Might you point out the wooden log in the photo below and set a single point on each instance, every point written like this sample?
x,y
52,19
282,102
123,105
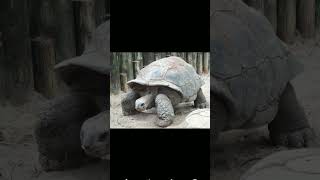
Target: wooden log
x,y
139,56
136,65
317,14
157,55
306,18
270,11
2,74
123,82
123,62
194,60
163,55
174,54
287,20
64,30
47,19
87,20
183,55
100,11
54,19
199,63
206,62
130,66
188,57
256,4
115,74
85,23
148,57
43,66
16,72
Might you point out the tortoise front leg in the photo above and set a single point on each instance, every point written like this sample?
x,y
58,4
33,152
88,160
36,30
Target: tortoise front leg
x,y
128,103
200,102
165,110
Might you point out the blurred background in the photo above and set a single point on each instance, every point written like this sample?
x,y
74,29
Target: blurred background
x,y
37,34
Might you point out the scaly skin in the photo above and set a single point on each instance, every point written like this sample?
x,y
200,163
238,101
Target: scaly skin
x,y
290,127
94,135
165,110
144,102
200,102
128,103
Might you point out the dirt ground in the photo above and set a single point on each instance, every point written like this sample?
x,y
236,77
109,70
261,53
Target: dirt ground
x,y
238,150
146,120
18,151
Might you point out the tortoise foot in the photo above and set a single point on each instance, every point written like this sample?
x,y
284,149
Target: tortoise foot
x,y
300,138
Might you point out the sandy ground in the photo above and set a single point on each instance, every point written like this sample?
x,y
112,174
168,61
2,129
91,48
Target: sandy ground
x,y
239,150
146,120
18,151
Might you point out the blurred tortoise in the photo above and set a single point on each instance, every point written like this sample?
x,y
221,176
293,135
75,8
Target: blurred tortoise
x,y
250,81
163,84
83,109
288,164
199,118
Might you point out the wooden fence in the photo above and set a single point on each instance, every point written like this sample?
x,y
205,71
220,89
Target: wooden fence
x,y
290,16
35,35
126,65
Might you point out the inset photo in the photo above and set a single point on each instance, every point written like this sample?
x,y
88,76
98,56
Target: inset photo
x,y
160,90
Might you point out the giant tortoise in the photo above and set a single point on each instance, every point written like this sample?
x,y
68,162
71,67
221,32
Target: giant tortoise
x,y
75,125
164,84
250,77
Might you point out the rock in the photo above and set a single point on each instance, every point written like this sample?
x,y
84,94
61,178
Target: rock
x,y
199,118
288,164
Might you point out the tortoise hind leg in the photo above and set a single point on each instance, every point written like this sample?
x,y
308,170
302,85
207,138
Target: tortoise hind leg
x,y
165,110
128,103
200,102
290,126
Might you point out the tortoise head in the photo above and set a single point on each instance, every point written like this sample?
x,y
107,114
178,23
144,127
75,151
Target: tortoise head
x,y
146,101
94,135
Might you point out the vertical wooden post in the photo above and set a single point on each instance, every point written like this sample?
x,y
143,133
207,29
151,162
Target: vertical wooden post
x,y
194,60
115,74
270,11
306,18
16,72
123,82
287,20
183,55
44,61
2,73
157,55
130,66
317,14
85,22
199,63
64,30
148,57
206,62
139,58
174,54
136,65
256,4
188,57
100,11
